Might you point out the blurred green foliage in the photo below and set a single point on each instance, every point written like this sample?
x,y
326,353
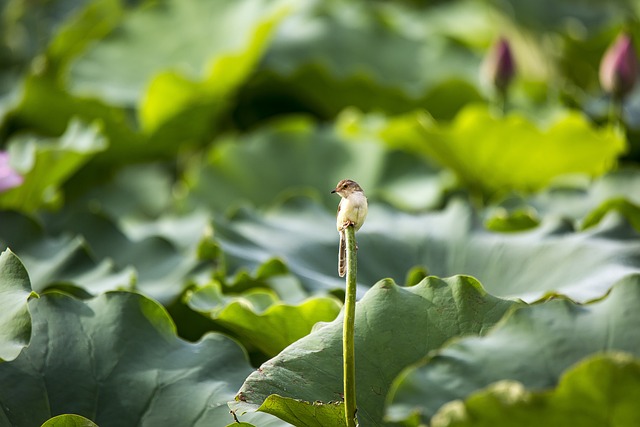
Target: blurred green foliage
x,y
175,218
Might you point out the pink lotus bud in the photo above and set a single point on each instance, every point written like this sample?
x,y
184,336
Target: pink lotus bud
x,y
619,67
500,66
8,177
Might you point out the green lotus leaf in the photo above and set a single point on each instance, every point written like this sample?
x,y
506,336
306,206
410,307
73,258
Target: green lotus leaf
x,y
119,67
299,413
550,15
534,346
47,106
395,327
162,263
59,260
496,154
629,210
141,63
15,319
87,22
45,163
274,275
516,220
296,155
116,360
587,203
211,300
595,392
69,420
259,320
26,33
134,194
322,60
581,265
92,252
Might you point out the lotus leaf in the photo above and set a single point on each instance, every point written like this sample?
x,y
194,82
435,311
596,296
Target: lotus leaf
x,y
46,163
117,361
581,265
534,346
594,392
395,327
493,154
15,319
262,322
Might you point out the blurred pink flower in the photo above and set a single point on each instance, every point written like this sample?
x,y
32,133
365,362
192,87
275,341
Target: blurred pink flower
x,y
500,66
9,178
619,67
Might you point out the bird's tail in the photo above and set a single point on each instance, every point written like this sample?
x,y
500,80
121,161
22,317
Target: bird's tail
x,y
342,255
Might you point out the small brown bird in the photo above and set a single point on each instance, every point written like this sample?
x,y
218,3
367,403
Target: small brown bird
x,y
352,210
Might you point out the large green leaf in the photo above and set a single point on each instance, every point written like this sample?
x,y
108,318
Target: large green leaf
x,y
69,420
296,155
90,21
534,346
116,360
496,154
548,15
259,320
629,210
26,32
15,319
91,251
144,64
597,392
139,66
59,260
300,413
395,327
136,193
581,265
322,60
586,203
162,263
47,163
119,68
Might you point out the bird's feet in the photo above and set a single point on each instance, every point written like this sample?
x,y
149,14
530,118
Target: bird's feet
x,y
348,224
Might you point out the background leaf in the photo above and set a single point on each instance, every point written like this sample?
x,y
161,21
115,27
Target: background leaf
x,y
69,420
595,392
270,329
62,260
46,164
298,155
510,153
15,291
534,346
443,242
321,61
107,69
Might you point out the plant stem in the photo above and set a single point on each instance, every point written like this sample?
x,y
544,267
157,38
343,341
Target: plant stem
x,y
348,330
616,111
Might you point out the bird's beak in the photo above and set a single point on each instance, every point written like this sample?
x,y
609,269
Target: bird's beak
x,y
333,191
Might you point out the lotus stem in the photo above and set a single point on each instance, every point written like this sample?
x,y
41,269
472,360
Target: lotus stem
x,y
348,331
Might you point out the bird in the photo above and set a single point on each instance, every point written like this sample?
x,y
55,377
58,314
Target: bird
x,y
352,211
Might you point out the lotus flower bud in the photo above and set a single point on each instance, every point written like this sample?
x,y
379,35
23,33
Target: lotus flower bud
x,y
499,66
619,67
9,178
